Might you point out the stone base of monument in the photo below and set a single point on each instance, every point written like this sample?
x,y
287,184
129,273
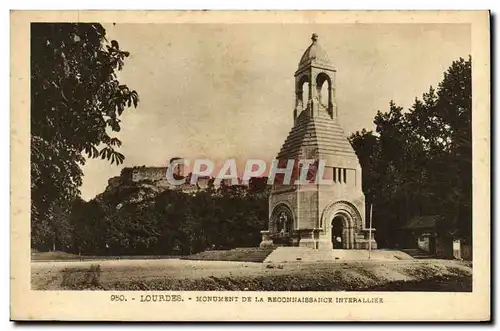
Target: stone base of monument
x,y
307,243
364,244
324,244
308,239
304,254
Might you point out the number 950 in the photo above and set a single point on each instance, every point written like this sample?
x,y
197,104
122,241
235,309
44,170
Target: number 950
x,y
117,297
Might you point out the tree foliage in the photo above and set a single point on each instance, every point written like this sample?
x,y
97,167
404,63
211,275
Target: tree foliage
x,y
76,102
168,222
419,162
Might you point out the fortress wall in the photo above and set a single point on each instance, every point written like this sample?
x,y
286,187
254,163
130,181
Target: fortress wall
x,y
149,173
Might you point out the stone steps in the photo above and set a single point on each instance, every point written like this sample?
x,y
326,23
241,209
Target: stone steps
x,y
418,253
303,254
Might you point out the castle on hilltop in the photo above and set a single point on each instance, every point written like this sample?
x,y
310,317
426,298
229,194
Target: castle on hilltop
x,y
158,177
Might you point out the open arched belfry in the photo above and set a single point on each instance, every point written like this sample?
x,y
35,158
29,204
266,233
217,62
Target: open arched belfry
x,y
315,215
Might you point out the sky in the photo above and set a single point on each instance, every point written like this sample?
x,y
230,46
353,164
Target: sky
x,y
224,91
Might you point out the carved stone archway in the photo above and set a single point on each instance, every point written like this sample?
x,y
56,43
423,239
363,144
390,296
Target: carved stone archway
x,y
282,219
351,221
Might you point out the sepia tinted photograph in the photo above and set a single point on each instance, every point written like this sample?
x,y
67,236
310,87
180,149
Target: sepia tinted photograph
x,y
279,158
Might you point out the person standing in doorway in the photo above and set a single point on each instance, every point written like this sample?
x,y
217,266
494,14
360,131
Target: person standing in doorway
x,y
338,243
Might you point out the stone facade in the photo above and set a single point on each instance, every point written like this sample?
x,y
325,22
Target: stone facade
x,y
319,216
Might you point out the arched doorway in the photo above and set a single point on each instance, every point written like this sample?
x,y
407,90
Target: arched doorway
x,y
349,219
338,238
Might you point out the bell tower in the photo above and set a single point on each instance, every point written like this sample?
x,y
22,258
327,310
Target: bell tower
x,y
318,216
314,71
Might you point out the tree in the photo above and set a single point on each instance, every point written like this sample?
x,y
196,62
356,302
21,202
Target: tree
x,y
420,161
367,148
76,102
453,112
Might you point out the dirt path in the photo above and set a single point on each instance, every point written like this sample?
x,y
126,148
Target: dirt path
x,y
178,273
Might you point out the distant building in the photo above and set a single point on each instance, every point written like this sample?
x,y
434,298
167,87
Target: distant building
x,y
421,232
158,177
180,170
148,173
204,182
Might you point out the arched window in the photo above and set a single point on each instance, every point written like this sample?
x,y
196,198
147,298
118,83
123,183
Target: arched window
x,y
302,93
305,94
323,95
324,87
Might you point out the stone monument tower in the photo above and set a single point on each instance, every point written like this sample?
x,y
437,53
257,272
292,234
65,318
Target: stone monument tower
x,y
315,215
